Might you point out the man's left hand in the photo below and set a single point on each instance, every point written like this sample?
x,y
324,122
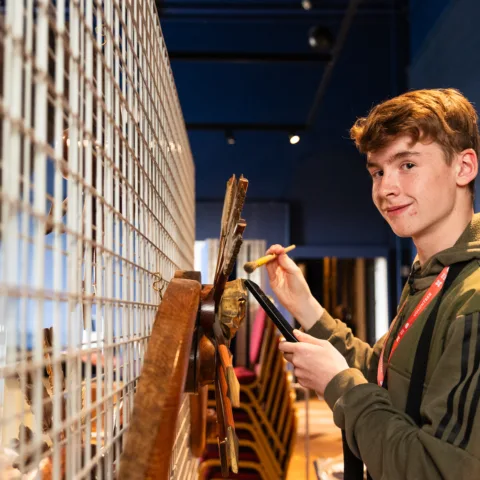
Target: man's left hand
x,y
316,361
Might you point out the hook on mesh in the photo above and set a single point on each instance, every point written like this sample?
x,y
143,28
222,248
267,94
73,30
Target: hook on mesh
x,y
100,29
159,284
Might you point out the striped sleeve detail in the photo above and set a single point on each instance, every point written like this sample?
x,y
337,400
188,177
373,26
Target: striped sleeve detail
x,y
456,424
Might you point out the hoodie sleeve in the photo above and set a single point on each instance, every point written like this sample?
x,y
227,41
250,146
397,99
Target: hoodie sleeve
x,y
391,445
358,354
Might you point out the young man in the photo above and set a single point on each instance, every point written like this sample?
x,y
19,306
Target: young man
x,y
421,150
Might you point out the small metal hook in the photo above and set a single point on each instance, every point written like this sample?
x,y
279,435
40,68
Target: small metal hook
x,y
102,33
162,281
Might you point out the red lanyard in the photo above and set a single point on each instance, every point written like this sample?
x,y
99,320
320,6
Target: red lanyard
x,y
431,293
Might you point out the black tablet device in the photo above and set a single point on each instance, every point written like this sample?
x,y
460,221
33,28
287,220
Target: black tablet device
x,y
278,319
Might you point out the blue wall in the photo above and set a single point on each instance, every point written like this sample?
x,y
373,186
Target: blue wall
x,y
267,221
423,17
448,57
323,178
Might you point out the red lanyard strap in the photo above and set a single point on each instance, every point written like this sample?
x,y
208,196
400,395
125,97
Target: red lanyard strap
x,y
419,370
430,294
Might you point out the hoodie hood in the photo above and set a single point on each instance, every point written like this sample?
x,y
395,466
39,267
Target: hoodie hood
x,y
467,247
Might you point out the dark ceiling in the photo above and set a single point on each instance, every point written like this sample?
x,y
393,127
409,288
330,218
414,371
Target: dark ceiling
x,y
247,67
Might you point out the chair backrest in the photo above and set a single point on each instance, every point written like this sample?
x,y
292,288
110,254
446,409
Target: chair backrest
x,y
257,335
267,356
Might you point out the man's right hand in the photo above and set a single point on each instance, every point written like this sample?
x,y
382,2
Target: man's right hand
x,y
291,288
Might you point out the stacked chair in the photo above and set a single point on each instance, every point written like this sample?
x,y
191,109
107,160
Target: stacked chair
x,y
266,421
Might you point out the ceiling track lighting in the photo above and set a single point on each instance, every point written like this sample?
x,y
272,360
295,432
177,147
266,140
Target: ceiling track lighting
x,y
230,137
306,5
320,39
294,138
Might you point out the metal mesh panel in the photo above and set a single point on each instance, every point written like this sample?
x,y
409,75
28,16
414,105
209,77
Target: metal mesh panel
x,y
183,465
97,207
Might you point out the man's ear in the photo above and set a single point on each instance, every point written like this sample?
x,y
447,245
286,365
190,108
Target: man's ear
x,y
467,167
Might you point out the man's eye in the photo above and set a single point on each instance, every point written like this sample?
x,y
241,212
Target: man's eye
x,y
408,166
377,174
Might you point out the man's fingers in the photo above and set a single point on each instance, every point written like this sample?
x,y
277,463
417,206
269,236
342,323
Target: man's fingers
x,y
287,347
306,338
283,261
288,357
287,263
272,271
300,374
276,249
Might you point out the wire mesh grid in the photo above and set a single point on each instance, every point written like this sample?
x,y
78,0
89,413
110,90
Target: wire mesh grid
x,y
96,207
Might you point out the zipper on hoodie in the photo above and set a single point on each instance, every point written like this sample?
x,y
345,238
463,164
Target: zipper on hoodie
x,y
410,280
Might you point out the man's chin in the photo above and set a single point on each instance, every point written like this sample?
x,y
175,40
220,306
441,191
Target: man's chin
x,y
404,235
403,232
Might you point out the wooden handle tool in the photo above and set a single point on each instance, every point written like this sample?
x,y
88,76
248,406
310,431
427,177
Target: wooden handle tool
x,y
250,267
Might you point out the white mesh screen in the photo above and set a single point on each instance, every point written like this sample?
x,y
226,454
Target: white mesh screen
x,y
97,202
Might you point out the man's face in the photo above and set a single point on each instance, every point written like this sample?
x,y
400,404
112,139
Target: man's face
x,y
413,187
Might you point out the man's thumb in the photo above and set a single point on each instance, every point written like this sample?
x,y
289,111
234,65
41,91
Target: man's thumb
x,y
306,338
287,263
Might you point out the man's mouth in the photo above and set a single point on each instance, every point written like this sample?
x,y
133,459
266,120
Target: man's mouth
x,y
397,209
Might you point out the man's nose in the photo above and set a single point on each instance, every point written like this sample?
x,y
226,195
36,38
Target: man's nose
x,y
389,185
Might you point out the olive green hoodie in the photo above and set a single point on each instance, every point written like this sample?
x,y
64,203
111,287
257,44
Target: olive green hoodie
x,y
447,445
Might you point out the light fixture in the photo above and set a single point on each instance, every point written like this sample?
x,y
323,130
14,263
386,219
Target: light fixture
x,y
306,4
320,38
230,138
294,138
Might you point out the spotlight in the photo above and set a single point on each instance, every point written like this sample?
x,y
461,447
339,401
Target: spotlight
x,y
294,138
230,138
320,38
306,4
